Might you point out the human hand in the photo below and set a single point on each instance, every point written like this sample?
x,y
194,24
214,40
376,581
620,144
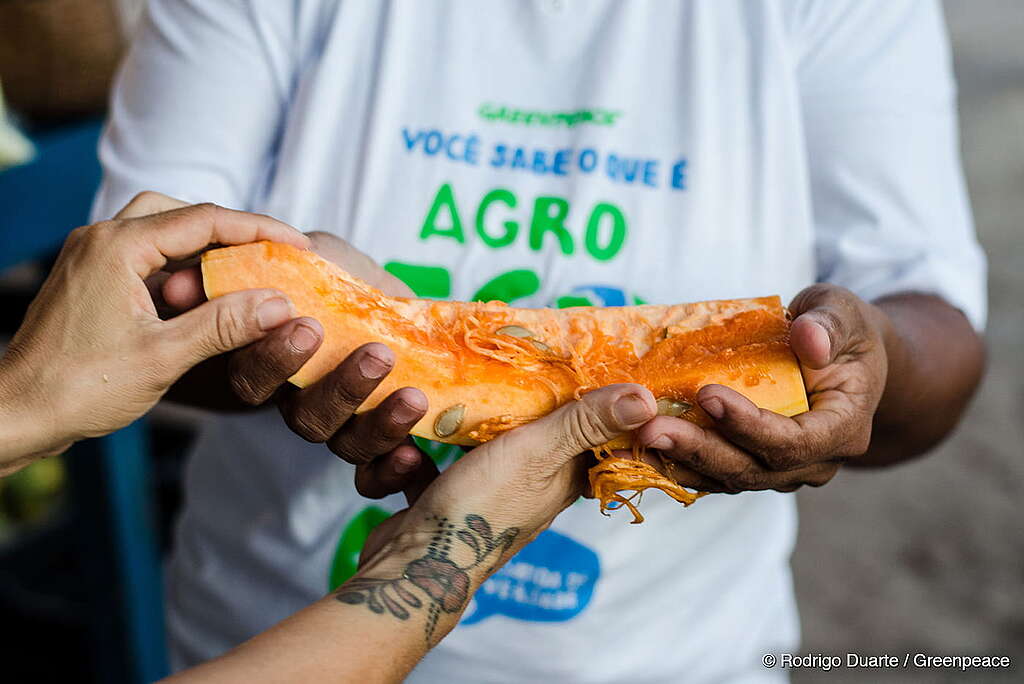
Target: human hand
x,y
325,411
839,340
471,519
92,354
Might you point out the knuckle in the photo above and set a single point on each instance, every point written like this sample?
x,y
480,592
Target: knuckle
x,y
348,448
250,375
585,428
206,208
809,295
831,320
100,234
743,480
79,235
205,212
810,448
246,389
780,460
228,325
347,397
695,458
311,426
145,199
389,432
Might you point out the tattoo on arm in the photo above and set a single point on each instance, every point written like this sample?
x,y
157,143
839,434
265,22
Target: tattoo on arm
x,y
443,583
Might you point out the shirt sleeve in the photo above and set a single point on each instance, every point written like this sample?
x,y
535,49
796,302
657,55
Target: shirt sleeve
x,y
197,103
889,201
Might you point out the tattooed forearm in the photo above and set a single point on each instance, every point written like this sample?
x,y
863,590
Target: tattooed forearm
x,y
440,576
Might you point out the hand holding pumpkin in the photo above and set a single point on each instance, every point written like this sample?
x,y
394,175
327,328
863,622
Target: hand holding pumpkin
x,y
520,480
376,442
92,355
840,342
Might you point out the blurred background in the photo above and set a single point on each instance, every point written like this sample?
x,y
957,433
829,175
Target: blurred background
x,y
928,557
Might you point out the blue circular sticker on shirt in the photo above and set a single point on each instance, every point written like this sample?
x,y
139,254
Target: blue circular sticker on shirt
x,y
550,580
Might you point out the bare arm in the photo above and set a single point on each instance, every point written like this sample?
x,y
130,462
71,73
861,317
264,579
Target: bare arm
x,y
338,639
464,526
935,360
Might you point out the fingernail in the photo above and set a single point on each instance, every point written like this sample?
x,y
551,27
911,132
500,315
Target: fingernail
x,y
273,313
403,466
631,409
660,442
373,367
303,338
405,412
713,407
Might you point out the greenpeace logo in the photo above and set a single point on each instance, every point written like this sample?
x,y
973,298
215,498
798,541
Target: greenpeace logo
x,y
526,117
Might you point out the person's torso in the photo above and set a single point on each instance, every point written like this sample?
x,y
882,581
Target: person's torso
x,y
548,153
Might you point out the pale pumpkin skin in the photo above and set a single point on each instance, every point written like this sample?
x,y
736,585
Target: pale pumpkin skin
x,y
486,367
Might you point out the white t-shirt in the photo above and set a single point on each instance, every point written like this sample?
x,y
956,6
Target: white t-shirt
x,y
551,152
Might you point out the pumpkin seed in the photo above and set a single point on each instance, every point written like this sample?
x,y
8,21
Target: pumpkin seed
x,y
541,346
668,406
524,333
515,331
450,420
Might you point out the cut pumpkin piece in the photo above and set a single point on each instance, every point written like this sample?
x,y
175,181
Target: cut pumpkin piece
x,y
486,367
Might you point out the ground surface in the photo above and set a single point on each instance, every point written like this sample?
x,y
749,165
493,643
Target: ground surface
x,y
930,557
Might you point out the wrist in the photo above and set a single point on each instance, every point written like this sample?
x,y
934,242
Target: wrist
x,y
895,349
411,552
28,429
432,566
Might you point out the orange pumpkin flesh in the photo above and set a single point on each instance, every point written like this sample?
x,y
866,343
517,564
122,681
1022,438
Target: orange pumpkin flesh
x,y
506,366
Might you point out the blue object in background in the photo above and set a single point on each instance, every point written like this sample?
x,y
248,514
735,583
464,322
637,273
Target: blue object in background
x,y
551,579
40,202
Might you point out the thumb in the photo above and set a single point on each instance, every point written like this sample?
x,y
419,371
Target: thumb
x,y
226,323
819,334
596,419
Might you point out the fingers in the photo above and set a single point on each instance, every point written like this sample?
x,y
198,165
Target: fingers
x,y
183,290
378,443
832,429
317,412
185,231
591,422
826,318
149,202
380,430
777,440
257,371
695,447
727,467
421,478
406,469
225,324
